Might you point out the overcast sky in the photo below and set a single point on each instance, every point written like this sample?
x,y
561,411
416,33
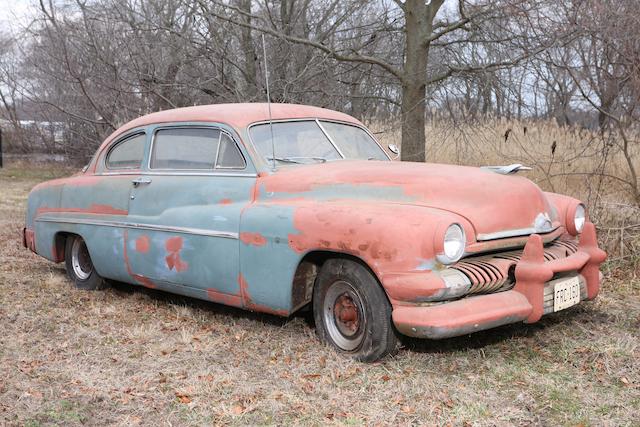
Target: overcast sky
x,y
12,11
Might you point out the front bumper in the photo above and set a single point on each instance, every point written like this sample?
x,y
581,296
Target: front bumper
x,y
526,301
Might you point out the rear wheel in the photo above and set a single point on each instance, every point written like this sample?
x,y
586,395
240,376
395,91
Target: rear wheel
x,y
352,312
79,266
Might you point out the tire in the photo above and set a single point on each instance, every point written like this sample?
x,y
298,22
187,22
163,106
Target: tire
x,y
352,312
79,266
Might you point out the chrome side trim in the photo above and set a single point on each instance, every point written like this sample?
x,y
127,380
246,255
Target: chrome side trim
x,y
513,233
138,226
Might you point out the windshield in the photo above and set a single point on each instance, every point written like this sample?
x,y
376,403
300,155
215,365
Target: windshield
x,y
312,141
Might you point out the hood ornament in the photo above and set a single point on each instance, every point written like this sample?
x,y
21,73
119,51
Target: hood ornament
x,y
543,223
507,170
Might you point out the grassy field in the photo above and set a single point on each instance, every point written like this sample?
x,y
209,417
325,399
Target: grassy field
x,y
132,356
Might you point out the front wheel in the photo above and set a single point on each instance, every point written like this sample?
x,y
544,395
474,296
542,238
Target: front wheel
x,y
80,268
352,312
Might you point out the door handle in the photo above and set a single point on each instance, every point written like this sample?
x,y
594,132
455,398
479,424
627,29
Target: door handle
x,y
141,181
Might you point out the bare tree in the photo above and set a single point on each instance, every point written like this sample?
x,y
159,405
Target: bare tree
x,y
421,27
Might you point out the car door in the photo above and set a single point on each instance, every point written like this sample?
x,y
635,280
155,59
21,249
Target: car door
x,y
187,206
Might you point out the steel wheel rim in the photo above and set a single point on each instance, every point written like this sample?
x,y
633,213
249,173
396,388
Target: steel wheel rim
x,y
344,315
80,259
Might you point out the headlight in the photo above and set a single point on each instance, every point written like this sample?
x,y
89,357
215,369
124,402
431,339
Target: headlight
x,y
576,217
453,245
579,218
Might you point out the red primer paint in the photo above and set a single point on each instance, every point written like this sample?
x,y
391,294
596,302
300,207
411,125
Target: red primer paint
x,y
437,186
389,238
144,281
222,298
463,316
173,247
255,239
142,244
94,209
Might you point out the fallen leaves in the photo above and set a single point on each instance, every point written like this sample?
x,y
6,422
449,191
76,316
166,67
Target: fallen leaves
x,y
183,398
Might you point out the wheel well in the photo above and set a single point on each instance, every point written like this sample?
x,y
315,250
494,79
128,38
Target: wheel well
x,y
307,271
59,242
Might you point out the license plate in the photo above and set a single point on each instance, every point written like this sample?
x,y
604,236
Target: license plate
x,y
566,294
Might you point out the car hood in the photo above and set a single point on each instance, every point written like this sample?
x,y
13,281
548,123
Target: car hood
x,y
495,205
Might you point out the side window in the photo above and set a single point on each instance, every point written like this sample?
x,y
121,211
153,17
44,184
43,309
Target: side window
x,y
127,154
229,156
185,148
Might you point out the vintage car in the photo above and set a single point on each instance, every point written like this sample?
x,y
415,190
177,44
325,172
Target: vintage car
x,y
273,210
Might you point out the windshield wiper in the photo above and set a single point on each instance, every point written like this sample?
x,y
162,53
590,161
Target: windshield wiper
x,y
297,160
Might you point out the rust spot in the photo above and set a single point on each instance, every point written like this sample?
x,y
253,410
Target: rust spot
x,y
173,247
142,244
30,241
144,281
244,293
255,239
222,298
225,202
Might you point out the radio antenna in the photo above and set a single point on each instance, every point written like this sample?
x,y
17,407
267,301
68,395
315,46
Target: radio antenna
x,y
266,77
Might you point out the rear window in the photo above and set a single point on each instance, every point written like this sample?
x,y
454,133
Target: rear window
x,y
128,153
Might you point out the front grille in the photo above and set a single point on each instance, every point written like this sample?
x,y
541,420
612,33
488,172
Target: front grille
x,y
495,272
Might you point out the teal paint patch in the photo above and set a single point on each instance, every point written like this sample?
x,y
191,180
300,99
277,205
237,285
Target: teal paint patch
x,y
334,192
269,269
426,265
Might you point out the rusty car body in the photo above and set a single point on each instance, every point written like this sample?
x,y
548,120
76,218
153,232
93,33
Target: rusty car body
x,y
275,212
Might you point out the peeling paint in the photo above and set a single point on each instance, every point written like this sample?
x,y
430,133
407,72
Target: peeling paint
x,y
144,281
142,244
173,246
94,209
255,239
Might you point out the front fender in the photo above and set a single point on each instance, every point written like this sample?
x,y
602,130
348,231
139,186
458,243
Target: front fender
x,y
564,206
395,240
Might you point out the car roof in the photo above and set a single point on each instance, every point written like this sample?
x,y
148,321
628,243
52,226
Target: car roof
x,y
238,116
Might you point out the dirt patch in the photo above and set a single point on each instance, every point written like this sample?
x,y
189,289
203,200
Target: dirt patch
x,y
130,356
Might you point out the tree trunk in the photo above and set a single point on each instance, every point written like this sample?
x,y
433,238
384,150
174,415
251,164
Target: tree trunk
x,y
413,121
419,22
246,42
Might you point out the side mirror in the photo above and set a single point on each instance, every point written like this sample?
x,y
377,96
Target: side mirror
x,y
394,149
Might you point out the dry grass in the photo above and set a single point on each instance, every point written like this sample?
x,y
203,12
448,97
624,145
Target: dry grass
x,y
577,157
130,356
